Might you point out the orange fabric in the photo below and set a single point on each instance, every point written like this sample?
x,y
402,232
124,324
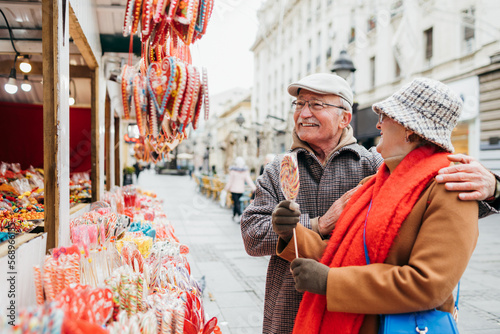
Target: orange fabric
x,y
393,197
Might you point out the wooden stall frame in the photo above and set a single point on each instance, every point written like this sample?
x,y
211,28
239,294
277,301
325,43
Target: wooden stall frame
x,y
59,22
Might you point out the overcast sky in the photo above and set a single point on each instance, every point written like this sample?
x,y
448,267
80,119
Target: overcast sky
x,y
225,48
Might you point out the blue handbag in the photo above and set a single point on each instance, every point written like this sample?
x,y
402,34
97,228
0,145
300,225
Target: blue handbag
x,y
430,321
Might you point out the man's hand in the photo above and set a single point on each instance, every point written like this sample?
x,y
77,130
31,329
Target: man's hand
x,y
326,223
475,181
285,217
309,275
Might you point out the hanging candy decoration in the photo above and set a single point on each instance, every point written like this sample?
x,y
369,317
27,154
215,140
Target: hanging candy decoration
x,y
127,24
153,119
165,91
187,96
194,99
127,78
199,104
205,92
140,103
136,16
146,19
160,84
172,9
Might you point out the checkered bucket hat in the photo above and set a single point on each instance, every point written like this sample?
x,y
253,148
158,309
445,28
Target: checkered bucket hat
x,y
427,107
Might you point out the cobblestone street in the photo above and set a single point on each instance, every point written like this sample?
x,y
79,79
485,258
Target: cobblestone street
x,y
235,282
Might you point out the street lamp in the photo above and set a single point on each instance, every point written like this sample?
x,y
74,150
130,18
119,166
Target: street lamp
x,y
343,65
240,119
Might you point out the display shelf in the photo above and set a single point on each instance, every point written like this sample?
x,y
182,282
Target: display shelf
x,y
19,240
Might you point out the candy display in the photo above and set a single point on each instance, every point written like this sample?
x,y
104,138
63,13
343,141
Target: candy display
x,y
122,274
16,226
21,197
80,188
143,243
289,176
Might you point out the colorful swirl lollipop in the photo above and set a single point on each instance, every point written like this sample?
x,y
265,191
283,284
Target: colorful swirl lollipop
x,y
289,176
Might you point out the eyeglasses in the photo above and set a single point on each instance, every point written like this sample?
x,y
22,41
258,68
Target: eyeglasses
x,y
314,105
381,118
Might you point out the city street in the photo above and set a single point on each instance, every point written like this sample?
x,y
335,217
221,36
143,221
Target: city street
x,y
235,282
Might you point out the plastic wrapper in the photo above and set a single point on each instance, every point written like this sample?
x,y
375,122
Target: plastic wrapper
x,y
22,186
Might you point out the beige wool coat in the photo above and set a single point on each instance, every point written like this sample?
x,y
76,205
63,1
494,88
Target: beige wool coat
x,y
424,265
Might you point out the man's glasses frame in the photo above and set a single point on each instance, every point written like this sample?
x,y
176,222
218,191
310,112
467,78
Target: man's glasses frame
x,y
314,105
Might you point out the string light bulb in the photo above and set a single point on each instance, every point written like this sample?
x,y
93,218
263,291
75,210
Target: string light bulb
x,y
72,92
25,65
11,85
26,85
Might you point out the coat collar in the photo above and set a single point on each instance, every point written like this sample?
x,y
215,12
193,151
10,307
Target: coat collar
x,y
345,143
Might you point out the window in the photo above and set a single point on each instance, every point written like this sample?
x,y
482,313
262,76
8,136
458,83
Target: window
x,y
309,13
352,32
396,7
372,23
372,72
329,53
352,35
428,43
469,29
397,69
331,31
300,63
309,55
318,48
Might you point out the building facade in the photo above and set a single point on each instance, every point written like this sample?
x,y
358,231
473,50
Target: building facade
x,y
390,43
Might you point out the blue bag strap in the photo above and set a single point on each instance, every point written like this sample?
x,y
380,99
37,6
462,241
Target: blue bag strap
x,y
367,257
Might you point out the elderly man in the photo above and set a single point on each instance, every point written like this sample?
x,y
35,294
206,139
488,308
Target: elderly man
x,y
331,164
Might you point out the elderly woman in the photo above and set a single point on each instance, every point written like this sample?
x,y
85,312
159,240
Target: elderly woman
x,y
418,236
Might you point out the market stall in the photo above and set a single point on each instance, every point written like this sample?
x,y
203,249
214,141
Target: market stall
x,y
114,263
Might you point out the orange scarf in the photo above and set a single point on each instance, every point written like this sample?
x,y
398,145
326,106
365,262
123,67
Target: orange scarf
x,y
393,197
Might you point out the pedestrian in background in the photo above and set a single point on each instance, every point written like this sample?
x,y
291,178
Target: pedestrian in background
x,y
238,177
137,170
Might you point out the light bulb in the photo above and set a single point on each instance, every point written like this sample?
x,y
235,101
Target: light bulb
x,y
11,86
25,66
26,85
71,101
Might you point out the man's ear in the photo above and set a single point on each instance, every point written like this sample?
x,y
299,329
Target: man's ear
x,y
345,119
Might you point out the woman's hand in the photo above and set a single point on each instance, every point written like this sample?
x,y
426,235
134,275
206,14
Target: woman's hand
x,y
309,275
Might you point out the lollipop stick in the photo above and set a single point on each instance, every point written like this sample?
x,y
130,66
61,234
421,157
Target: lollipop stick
x,y
295,241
